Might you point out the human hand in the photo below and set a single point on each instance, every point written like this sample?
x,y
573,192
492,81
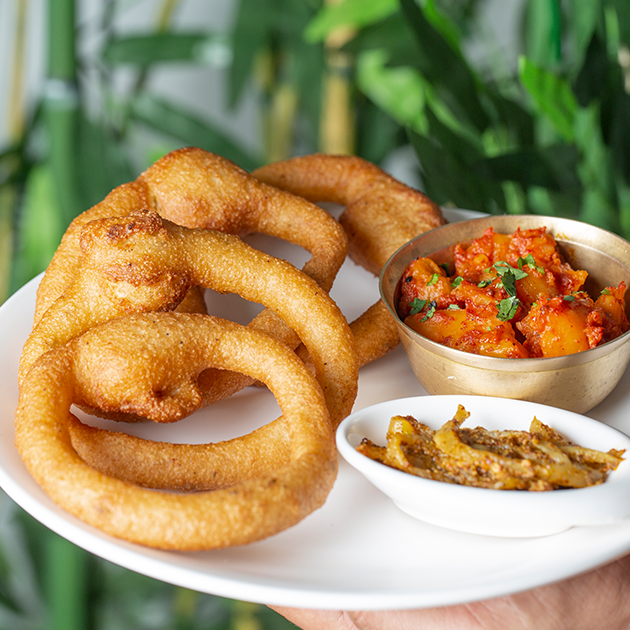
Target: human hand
x,y
598,600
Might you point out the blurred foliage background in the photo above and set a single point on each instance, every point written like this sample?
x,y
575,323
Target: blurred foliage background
x,y
543,127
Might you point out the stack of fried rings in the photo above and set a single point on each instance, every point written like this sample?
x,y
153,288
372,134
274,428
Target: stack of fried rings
x,y
180,346
106,450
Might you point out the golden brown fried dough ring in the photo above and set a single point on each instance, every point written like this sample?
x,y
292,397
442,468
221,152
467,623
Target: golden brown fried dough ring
x,y
399,213
197,189
168,466
143,263
381,213
170,350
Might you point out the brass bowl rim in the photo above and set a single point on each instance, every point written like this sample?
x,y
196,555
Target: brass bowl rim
x,y
499,363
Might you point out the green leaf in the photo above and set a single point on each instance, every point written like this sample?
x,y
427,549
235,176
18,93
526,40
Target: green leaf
x,y
592,81
507,308
41,224
552,96
417,305
447,180
513,117
306,70
618,133
398,91
99,146
585,19
349,13
145,50
553,167
543,35
189,129
250,35
382,133
452,78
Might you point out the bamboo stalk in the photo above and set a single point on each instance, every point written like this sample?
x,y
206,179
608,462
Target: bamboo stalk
x,y
61,104
17,109
7,203
66,565
65,585
337,130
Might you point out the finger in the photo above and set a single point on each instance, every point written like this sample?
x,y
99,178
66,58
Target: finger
x,y
307,619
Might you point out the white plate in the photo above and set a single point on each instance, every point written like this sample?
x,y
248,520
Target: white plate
x,y
357,552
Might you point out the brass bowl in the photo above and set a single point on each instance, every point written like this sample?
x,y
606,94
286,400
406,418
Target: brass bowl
x,y
575,382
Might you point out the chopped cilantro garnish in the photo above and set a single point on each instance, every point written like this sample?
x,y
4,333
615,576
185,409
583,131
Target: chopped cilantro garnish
x,y
431,312
417,305
508,275
453,307
456,282
433,279
530,261
568,298
507,308
605,292
446,268
504,269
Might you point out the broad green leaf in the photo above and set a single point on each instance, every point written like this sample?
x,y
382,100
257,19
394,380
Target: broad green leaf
x,y
545,202
397,91
623,192
14,165
543,35
446,180
618,133
598,210
8,202
306,74
21,604
553,167
622,9
381,133
595,168
103,162
466,149
392,35
513,117
146,50
592,80
188,129
443,24
41,224
552,96
349,13
445,68
250,35
585,19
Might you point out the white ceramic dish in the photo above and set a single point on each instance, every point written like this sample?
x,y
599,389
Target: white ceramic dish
x,y
484,511
359,551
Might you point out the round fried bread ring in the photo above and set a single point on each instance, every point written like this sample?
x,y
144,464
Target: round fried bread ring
x,y
143,263
379,209
198,189
173,466
381,215
178,346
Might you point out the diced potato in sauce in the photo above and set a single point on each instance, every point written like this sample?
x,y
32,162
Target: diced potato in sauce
x,y
511,296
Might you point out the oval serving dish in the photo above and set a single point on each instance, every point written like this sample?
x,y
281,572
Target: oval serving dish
x,y
506,513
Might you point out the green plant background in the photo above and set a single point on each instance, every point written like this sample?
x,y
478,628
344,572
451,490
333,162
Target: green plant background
x,y
547,132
